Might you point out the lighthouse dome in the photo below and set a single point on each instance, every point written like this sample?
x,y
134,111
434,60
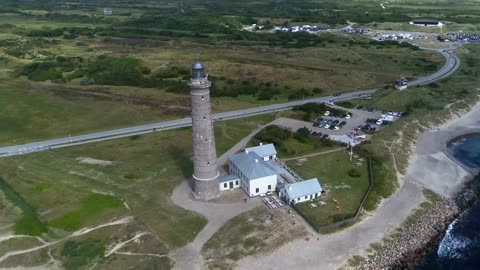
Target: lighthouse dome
x,y
198,69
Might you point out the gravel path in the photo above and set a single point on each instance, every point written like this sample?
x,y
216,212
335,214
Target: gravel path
x,y
217,214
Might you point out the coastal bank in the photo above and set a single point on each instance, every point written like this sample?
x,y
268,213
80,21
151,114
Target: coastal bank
x,y
415,241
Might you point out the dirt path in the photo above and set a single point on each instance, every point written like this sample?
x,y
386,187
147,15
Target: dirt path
x,y
315,154
189,257
74,234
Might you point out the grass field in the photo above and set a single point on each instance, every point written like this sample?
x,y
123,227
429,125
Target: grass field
x,y
70,193
332,170
252,233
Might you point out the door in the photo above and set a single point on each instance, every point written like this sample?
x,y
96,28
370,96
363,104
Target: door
x,y
231,185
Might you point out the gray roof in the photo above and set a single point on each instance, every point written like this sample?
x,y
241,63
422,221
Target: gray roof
x,y
252,165
263,150
425,21
228,178
303,188
197,65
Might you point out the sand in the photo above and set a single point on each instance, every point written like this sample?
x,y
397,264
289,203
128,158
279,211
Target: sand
x,y
429,168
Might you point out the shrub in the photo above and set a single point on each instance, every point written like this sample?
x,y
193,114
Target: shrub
x,y
354,173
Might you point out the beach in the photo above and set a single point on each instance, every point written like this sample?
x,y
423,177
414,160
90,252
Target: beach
x,y
429,168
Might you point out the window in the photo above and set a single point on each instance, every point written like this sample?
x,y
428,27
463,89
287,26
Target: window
x,y
204,118
269,187
225,185
257,190
306,197
236,182
203,98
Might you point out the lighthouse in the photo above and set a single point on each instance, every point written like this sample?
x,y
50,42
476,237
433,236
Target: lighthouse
x,y
205,171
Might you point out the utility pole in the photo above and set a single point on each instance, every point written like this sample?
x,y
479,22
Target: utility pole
x,y
351,150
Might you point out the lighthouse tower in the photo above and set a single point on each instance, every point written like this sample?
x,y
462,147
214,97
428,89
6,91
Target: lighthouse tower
x,y
205,171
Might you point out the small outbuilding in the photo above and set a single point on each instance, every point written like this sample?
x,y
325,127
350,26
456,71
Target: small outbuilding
x,y
426,22
301,191
230,181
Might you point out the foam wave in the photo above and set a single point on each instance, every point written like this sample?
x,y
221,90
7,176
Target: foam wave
x,y
452,246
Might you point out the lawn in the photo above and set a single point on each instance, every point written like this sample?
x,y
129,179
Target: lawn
x,y
333,171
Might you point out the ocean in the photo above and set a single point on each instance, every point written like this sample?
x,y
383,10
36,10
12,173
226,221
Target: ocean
x,y
460,247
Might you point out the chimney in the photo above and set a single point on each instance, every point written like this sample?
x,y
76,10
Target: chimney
x,y
290,188
256,160
261,144
246,151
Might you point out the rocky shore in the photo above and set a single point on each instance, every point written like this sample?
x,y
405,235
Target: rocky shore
x,y
412,244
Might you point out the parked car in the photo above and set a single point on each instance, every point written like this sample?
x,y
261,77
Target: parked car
x,y
336,122
319,134
325,136
336,128
343,123
314,133
327,113
348,116
332,127
327,126
379,122
359,107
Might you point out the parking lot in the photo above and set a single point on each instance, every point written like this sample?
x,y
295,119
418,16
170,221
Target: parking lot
x,y
363,119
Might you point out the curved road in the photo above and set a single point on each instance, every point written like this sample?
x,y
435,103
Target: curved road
x,y
451,65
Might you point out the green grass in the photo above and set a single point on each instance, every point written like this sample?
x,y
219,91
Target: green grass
x,y
332,171
251,233
29,224
79,254
145,173
88,209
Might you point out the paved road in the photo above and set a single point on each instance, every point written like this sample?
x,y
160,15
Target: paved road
x,y
451,65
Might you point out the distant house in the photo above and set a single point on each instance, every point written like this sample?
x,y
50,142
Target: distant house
x,y
107,11
426,22
401,84
301,191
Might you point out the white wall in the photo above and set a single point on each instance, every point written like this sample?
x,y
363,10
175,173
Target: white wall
x,y
267,158
262,185
301,199
222,185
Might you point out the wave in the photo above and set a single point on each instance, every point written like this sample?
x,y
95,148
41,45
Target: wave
x,y
453,246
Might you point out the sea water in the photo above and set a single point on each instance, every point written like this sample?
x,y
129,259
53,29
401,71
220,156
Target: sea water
x,y
460,247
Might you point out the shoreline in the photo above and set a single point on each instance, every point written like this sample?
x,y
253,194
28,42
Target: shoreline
x,y
460,192
417,240
443,176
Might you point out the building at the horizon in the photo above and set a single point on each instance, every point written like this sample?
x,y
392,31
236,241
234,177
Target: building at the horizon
x,y
205,171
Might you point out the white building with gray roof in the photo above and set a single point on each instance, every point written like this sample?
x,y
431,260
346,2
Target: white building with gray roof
x,y
301,191
255,174
258,171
